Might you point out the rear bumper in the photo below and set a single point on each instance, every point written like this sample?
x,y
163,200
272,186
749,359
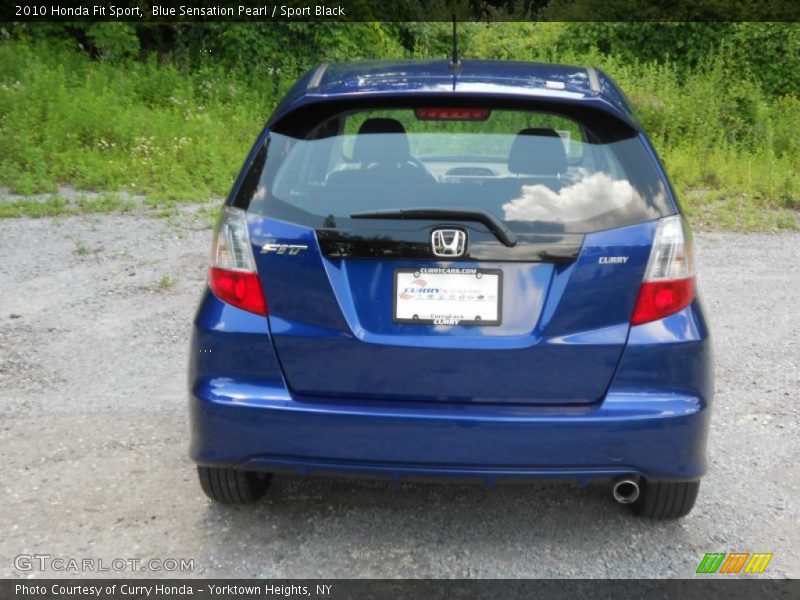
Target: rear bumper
x,y
258,427
652,422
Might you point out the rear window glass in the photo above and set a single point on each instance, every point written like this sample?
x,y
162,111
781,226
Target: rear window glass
x,y
536,171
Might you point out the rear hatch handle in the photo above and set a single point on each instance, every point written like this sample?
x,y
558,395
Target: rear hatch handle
x,y
493,224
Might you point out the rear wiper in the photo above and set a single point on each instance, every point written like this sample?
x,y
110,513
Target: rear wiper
x,y
493,224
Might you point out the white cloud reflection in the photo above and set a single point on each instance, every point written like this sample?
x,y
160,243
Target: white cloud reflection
x,y
586,199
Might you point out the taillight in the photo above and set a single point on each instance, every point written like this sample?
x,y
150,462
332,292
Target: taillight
x,y
232,275
451,114
669,283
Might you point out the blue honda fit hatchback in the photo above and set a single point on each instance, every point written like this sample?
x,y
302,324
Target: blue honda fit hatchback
x,y
473,274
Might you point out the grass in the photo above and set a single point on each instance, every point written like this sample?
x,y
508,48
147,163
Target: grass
x,y
709,210
148,129
55,205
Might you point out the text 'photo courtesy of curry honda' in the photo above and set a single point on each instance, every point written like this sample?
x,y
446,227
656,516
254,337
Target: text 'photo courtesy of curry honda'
x,y
475,274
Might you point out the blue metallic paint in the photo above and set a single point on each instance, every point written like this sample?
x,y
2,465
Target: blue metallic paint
x,y
652,421
650,418
335,335
492,79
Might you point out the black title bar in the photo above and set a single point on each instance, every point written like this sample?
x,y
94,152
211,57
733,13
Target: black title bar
x,y
706,588
33,11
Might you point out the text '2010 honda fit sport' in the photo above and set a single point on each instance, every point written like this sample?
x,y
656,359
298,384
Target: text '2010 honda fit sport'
x,y
478,273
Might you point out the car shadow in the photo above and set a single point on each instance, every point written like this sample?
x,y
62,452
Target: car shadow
x,y
365,527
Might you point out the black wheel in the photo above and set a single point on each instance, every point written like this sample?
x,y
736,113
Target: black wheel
x,y
231,486
666,499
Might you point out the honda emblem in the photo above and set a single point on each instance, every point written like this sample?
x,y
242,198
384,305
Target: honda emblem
x,y
448,242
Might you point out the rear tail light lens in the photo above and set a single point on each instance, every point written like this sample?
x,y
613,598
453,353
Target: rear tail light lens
x,y
232,275
241,289
669,282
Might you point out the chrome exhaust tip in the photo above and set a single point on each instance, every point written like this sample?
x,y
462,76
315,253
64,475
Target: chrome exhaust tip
x,y
626,491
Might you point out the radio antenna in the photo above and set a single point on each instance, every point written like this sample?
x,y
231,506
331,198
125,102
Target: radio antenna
x,y
455,63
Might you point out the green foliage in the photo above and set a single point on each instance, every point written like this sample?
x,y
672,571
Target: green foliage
x,y
168,111
290,48
114,40
728,138
147,128
714,132
768,54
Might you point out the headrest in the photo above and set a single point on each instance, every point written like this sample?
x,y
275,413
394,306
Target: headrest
x,y
537,152
381,140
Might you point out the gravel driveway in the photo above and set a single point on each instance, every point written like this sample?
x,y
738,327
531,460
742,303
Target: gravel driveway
x,y
94,324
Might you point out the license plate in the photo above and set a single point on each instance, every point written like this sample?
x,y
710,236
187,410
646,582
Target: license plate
x,y
448,296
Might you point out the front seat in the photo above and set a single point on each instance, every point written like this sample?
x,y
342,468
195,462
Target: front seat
x,y
538,152
383,155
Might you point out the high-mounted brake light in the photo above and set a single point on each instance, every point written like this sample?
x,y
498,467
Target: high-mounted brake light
x,y
232,275
452,114
669,282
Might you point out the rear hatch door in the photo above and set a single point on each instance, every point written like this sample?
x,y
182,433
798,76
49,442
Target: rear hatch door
x,y
533,304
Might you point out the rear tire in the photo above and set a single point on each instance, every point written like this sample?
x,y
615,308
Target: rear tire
x,y
231,486
666,499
